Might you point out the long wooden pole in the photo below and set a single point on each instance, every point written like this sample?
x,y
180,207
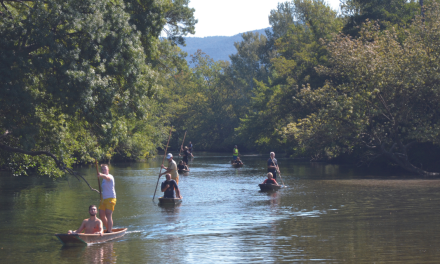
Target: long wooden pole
x,y
163,160
278,170
181,147
99,183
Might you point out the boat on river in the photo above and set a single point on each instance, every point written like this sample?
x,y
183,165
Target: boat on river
x,y
236,165
269,187
86,239
182,171
170,200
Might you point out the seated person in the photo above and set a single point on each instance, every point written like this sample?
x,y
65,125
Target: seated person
x,y
270,179
238,161
92,225
168,187
182,166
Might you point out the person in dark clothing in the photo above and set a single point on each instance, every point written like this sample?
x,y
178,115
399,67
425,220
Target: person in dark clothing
x,y
182,166
270,179
169,186
272,165
186,153
238,161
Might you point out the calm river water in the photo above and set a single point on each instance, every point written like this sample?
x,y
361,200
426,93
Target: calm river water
x,y
326,214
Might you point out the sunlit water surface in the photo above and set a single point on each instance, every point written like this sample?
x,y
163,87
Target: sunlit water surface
x,y
326,214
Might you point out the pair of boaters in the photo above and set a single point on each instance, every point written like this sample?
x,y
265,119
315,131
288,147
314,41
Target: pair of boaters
x,y
94,225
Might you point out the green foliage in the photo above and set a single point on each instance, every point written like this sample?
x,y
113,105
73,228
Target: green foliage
x,y
385,96
391,13
77,82
204,103
299,51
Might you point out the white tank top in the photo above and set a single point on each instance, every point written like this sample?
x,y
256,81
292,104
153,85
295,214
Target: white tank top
x,y
108,188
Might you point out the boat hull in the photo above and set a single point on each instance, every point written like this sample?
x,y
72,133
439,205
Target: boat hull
x,y
269,187
236,165
169,200
85,239
182,171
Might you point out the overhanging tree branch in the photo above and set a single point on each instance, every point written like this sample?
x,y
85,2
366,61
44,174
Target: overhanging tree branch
x,y
59,163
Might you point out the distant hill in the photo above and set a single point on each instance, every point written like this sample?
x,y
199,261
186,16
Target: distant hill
x,y
217,47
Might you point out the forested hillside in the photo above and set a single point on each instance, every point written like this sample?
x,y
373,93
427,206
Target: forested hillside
x,y
94,79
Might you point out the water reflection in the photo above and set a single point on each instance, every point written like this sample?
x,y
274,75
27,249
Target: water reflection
x,y
96,254
334,214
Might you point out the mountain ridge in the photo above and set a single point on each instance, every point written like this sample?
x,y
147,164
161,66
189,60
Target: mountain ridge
x,y
216,47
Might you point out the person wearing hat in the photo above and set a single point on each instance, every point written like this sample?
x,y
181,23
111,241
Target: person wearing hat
x,y
171,169
186,153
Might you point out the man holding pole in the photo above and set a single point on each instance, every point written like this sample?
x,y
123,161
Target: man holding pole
x,y
186,153
272,165
171,169
235,153
190,147
108,199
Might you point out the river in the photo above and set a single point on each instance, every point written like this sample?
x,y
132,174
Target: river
x,y
325,214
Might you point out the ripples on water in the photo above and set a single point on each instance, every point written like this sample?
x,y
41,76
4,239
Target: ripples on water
x,y
326,214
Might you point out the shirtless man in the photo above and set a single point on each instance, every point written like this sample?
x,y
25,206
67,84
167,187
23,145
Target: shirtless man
x,y
91,225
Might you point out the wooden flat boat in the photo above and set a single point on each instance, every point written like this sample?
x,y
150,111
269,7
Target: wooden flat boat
x,y
169,200
269,187
182,171
85,239
235,165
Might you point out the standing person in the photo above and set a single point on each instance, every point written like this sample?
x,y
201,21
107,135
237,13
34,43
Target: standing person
x,y
171,169
235,153
91,225
186,153
190,147
108,201
168,187
272,165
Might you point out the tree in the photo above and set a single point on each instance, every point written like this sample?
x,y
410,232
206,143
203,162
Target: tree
x,y
69,71
246,64
383,94
298,51
389,13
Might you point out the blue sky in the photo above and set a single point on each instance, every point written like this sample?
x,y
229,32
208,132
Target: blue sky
x,y
230,17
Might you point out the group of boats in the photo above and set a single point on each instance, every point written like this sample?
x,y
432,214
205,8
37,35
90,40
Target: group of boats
x,y
86,239
263,187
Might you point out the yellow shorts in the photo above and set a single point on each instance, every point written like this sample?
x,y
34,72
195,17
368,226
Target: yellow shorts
x,y
108,203
176,179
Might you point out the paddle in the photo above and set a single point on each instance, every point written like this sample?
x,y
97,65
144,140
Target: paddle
x,y
163,162
278,170
99,184
181,147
